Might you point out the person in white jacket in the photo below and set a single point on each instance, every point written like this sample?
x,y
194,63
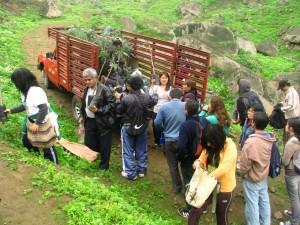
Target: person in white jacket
x,y
291,103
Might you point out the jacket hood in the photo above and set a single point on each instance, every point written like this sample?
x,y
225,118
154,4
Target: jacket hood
x,y
244,86
263,137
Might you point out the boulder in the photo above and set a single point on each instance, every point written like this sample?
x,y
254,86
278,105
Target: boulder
x,y
222,38
49,9
189,8
187,19
293,35
128,23
275,95
246,45
267,48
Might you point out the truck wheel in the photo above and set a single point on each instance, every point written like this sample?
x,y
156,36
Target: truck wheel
x,y
47,82
76,105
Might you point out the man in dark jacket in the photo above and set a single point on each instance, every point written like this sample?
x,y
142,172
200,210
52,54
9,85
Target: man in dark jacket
x,y
185,144
133,147
97,114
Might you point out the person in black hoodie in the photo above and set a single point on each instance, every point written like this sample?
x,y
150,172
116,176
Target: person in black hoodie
x,y
185,153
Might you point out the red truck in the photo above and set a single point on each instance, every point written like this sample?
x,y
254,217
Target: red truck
x,y
63,67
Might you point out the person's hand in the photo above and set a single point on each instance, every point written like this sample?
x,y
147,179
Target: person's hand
x,y
7,111
205,108
34,128
81,120
196,164
117,95
235,121
153,81
93,108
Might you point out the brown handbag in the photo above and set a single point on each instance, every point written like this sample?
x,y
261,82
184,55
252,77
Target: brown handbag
x,y
45,137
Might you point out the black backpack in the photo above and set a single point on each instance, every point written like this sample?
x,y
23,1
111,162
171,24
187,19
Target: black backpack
x,y
140,121
197,147
252,99
277,119
275,161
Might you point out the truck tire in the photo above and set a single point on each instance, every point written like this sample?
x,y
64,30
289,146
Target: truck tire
x,y
47,82
76,105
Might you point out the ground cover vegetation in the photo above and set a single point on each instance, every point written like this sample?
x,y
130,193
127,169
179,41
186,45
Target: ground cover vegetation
x,y
100,197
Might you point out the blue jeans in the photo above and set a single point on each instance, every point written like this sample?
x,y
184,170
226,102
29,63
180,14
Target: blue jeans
x,y
257,209
293,188
134,148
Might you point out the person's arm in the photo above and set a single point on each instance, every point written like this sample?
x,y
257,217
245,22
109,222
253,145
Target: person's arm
x,y
108,102
182,143
245,159
290,103
158,122
18,109
43,111
242,110
288,153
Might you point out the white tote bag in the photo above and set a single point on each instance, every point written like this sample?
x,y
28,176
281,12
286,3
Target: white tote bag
x,y
200,187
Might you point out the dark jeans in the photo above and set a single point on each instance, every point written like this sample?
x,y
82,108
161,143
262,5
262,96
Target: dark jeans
x,y
170,150
156,130
97,142
224,200
187,173
49,153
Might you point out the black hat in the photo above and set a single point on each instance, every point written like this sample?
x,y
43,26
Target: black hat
x,y
283,83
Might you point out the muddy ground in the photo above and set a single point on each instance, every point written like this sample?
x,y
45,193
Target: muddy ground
x,y
18,208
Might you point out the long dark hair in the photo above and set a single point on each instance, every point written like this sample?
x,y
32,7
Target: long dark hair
x,y
23,79
295,124
213,140
168,85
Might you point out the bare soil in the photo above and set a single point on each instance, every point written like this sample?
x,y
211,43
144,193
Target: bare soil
x,y
19,208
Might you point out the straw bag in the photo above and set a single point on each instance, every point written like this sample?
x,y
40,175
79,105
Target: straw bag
x,y
200,187
45,137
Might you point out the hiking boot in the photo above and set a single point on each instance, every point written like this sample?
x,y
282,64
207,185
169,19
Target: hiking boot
x,y
287,213
155,146
285,223
124,174
183,212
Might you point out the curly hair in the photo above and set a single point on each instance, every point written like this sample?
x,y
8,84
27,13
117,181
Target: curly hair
x,y
218,109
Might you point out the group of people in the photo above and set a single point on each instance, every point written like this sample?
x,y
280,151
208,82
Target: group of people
x,y
177,113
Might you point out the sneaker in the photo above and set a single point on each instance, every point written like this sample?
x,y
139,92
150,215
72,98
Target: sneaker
x,y
155,146
287,213
141,175
124,174
204,211
183,212
285,223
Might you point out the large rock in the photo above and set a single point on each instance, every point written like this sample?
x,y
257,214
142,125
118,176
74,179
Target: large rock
x,y
128,23
49,9
189,8
271,86
246,45
267,48
293,36
222,38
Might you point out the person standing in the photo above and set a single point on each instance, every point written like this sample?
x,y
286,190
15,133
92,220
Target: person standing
x,y
163,90
219,156
134,148
35,102
169,118
254,170
97,114
292,178
216,113
185,144
290,105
